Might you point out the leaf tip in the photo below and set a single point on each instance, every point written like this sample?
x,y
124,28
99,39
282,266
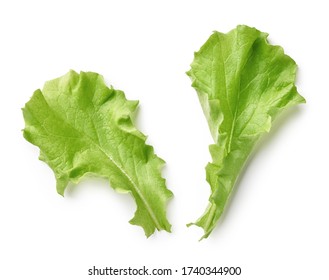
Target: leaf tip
x,y
61,185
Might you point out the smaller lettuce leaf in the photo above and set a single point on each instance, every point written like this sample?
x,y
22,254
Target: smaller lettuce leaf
x,y
83,127
243,83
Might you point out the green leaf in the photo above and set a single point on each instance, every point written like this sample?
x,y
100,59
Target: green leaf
x,y
82,127
243,83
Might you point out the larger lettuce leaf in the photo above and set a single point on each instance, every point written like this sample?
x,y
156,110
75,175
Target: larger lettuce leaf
x,y
243,83
82,127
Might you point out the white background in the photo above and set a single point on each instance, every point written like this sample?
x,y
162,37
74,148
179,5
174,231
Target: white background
x,y
276,226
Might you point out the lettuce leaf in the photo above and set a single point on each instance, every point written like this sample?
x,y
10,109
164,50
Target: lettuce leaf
x,y
82,127
243,83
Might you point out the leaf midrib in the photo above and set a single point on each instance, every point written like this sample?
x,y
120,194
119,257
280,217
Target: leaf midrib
x,y
239,91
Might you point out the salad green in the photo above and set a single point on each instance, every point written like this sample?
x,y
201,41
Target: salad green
x,y
242,83
83,127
